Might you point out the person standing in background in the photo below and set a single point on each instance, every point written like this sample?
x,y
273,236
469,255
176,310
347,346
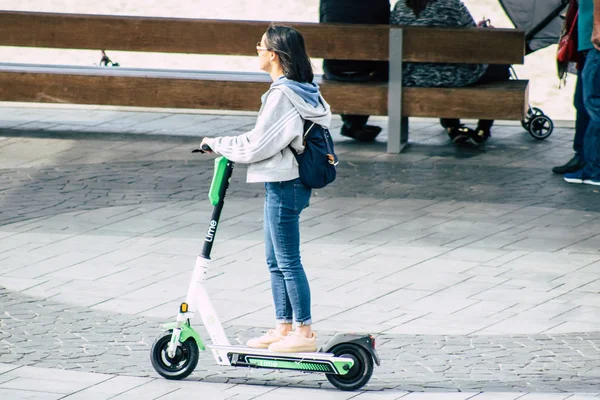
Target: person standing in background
x,y
582,118
589,42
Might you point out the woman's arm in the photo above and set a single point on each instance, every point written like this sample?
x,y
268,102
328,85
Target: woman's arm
x,y
271,134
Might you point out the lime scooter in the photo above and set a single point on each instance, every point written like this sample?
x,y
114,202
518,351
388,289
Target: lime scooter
x,y
346,359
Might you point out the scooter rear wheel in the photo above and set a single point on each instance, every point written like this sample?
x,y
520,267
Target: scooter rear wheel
x,y
361,371
178,367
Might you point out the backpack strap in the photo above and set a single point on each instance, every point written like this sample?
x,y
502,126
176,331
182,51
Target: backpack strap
x,y
303,140
308,130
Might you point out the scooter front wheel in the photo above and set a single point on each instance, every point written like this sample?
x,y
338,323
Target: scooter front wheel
x,y
361,371
181,365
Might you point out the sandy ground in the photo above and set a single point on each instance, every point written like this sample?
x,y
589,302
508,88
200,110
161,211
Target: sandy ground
x,y
539,67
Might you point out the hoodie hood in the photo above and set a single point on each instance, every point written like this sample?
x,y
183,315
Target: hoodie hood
x,y
306,98
308,91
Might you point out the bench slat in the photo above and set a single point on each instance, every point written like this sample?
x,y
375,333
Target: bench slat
x,y
500,100
241,92
202,36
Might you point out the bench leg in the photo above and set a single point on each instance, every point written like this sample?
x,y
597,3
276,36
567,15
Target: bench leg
x,y
397,134
397,123
403,132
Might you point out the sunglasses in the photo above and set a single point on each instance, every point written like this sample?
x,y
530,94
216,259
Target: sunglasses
x,y
260,48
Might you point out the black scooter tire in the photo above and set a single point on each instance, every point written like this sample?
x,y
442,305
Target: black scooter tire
x,y
361,371
184,362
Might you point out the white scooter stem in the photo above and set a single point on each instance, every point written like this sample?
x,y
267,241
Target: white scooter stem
x,y
198,300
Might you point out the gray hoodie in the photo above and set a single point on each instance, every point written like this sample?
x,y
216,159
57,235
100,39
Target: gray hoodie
x,y
280,124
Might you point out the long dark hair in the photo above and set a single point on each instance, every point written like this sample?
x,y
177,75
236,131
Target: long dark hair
x,y
288,43
418,5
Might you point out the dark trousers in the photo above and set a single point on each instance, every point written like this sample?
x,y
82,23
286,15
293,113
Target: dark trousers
x,y
583,117
351,120
493,73
337,70
591,99
355,71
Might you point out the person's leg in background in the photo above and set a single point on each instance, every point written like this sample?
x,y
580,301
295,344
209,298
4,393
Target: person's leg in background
x,y
483,131
590,173
591,99
449,122
582,120
457,132
355,127
493,73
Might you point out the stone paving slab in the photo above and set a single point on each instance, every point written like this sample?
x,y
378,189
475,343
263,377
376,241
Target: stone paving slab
x,y
135,259
121,387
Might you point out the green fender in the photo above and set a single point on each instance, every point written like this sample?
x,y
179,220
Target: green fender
x,y
187,332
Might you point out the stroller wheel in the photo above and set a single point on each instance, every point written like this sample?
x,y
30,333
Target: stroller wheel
x,y
532,112
541,127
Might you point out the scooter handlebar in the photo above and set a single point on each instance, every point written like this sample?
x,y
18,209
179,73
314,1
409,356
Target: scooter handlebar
x,y
205,148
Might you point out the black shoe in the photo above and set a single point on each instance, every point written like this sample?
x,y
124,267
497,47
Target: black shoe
x,y
459,134
479,137
573,165
366,133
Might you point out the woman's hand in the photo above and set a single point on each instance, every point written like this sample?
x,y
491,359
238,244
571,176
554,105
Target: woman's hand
x,y
205,143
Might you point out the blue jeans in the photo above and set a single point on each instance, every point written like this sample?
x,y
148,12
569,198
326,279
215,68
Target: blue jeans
x,y
284,201
582,120
591,100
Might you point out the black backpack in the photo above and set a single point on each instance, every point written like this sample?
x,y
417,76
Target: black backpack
x,y
318,163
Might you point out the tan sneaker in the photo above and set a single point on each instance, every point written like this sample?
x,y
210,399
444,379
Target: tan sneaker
x,y
265,340
295,343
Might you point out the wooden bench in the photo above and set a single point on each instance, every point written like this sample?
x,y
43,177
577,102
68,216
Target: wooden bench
x,y
241,91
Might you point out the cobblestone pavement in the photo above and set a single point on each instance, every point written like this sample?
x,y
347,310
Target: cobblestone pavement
x,y
81,187
49,167
429,171
112,164
49,334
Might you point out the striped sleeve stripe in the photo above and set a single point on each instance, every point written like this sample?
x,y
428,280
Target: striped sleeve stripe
x,y
271,132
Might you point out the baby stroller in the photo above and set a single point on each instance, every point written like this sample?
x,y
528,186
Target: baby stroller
x,y
542,23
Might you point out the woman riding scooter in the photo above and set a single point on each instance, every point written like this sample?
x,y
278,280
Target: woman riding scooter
x,y
291,99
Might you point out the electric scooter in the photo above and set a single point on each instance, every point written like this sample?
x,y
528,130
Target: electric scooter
x,y
346,359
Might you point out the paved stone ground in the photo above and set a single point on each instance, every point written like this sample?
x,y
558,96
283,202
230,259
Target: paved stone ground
x,y
478,269
51,335
21,382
